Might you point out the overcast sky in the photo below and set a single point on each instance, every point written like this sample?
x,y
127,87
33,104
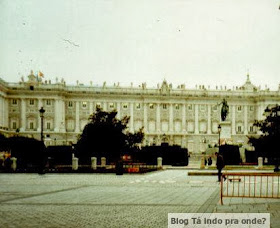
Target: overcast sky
x,y
187,42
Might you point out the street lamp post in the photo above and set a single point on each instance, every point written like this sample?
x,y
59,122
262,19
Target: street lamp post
x,y
42,111
41,162
219,131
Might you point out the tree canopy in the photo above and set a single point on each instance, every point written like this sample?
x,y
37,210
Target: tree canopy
x,y
28,151
106,135
268,142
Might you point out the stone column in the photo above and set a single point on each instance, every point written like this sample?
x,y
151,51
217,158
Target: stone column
x,y
260,112
2,111
23,115
209,120
233,130
196,130
63,121
262,107
6,112
184,117
158,140
104,106
145,118
260,115
77,122
90,107
59,124
158,118
171,120
131,121
58,115
171,140
184,142
119,110
245,119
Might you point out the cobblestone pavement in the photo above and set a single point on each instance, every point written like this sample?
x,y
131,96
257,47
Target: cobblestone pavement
x,y
260,186
252,205
102,200
107,200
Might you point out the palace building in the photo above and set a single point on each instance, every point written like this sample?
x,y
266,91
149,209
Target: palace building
x,y
181,116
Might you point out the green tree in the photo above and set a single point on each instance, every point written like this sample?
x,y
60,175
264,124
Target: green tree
x,y
268,143
106,135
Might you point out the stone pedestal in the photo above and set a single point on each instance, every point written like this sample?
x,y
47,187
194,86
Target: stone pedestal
x,y
103,162
75,163
14,163
94,163
225,135
202,161
159,162
260,162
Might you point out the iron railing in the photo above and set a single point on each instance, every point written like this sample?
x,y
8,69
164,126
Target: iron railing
x,y
250,185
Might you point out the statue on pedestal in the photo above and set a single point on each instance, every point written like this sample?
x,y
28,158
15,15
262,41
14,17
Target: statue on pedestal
x,y
224,110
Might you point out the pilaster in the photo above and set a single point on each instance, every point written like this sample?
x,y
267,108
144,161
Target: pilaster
x,y
119,110
131,121
145,118
77,122
158,118
59,107
246,119
171,120
184,117
209,120
90,107
196,130
233,128
23,115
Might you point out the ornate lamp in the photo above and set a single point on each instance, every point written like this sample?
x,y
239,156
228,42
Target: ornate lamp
x,y
42,111
219,131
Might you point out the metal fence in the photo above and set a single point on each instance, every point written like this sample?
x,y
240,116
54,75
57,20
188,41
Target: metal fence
x,y
250,185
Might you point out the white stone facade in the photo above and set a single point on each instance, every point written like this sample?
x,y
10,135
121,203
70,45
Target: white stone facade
x,y
186,117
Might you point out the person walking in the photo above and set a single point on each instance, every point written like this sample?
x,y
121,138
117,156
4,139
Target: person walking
x,y
220,165
209,161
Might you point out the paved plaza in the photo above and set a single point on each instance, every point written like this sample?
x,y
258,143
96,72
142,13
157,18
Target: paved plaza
x,y
107,200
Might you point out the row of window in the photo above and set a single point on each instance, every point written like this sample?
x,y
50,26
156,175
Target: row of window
x,y
152,105
48,102
190,127
32,125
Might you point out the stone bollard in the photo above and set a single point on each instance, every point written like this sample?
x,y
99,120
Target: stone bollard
x,y
202,161
94,163
75,164
260,162
103,162
14,163
159,162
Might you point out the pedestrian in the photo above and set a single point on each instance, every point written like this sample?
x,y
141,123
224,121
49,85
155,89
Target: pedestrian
x,y
209,161
220,165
